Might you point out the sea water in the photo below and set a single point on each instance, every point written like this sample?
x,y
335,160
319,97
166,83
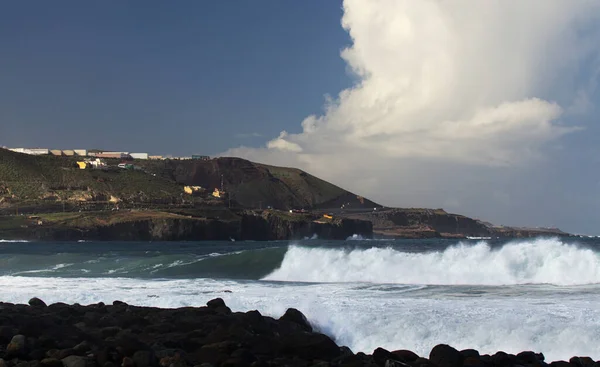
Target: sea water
x,y
540,294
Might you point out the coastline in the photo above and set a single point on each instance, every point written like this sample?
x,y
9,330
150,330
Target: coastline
x,y
130,336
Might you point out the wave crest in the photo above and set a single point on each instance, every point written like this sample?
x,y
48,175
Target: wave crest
x,y
542,261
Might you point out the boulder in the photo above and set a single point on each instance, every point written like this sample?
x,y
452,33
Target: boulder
x,y
74,361
144,358
582,361
404,355
310,346
561,364
51,362
216,303
298,318
36,302
17,347
380,356
127,362
466,353
528,357
444,355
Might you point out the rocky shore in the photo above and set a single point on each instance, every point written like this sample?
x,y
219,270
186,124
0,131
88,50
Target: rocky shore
x,y
99,335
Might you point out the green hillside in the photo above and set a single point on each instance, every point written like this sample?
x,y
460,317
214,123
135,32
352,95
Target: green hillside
x,y
48,179
25,178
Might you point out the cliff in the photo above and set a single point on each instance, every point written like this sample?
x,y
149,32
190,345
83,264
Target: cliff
x,y
164,226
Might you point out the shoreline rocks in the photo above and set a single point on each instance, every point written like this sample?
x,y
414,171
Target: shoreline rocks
x,y
122,335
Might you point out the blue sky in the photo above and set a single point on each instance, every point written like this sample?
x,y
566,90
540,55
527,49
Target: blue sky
x,y
431,104
200,77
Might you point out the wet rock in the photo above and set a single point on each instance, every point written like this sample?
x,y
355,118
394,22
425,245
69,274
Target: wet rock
x,y
119,303
3,363
74,361
445,356
298,318
36,302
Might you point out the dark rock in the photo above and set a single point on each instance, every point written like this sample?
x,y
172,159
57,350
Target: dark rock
x,y
144,358
6,333
127,362
528,357
310,346
244,356
36,302
119,303
466,353
380,356
298,318
64,353
128,343
445,356
503,359
561,364
215,303
74,361
582,361
17,347
2,363
423,362
473,362
405,355
394,363
215,353
51,362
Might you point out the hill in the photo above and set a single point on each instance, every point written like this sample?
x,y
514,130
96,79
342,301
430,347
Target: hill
x,y
254,185
43,180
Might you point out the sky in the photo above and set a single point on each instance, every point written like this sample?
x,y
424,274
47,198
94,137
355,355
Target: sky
x,y
487,109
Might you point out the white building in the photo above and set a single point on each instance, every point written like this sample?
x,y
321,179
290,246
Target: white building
x,y
139,155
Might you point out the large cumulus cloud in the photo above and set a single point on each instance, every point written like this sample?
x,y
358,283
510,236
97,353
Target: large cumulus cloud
x,y
450,96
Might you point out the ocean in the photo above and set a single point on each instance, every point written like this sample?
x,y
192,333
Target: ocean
x,y
490,295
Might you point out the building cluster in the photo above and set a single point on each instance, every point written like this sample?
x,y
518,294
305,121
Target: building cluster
x,y
94,153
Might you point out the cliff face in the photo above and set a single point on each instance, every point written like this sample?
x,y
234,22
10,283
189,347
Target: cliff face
x,y
249,226
270,226
422,223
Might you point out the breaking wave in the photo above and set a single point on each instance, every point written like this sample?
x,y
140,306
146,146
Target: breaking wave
x,y
542,261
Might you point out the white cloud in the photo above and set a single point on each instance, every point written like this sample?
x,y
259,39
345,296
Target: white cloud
x,y
460,83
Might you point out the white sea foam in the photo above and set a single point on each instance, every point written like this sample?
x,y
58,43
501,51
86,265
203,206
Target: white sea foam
x,y
542,261
13,241
365,317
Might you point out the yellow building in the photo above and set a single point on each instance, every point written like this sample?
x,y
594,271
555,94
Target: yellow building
x,y
190,190
82,165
